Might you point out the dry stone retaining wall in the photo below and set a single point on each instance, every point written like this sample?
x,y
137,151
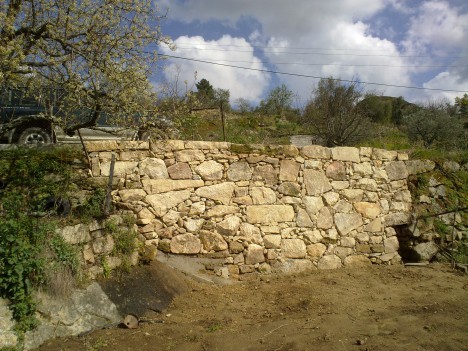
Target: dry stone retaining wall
x,y
263,207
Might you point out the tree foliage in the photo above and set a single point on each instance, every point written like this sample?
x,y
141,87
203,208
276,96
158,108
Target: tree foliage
x,y
94,52
280,99
335,114
205,93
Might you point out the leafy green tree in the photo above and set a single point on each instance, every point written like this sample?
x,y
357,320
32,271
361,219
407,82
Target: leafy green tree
x,y
462,105
205,93
280,99
95,51
433,127
335,114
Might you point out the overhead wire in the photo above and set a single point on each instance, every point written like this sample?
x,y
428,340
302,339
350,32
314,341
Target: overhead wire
x,y
308,76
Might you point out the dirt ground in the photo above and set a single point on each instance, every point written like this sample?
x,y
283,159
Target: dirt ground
x,y
373,309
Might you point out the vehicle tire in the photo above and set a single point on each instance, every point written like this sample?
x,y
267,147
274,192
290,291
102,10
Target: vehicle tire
x,y
33,136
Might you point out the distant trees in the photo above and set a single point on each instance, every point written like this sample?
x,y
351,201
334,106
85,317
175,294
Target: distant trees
x,y
335,114
243,105
432,125
205,94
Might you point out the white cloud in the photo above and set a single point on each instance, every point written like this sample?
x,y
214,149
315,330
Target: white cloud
x,y
241,83
339,28
449,81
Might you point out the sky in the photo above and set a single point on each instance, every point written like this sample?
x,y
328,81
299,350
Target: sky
x,y
253,46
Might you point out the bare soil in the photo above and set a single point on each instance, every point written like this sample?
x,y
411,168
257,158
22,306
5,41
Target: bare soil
x,y
367,309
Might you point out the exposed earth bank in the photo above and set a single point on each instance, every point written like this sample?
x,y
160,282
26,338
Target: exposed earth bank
x,y
367,309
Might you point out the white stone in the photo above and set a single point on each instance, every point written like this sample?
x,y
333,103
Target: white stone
x,y
346,154
128,195
162,203
312,236
368,209
329,262
220,192
187,244
293,248
254,254
229,226
251,233
391,244
221,211
331,198
303,219
316,182
210,170
262,196
324,218
272,241
316,250
269,213
194,225
157,186
313,204
197,208
346,222
154,168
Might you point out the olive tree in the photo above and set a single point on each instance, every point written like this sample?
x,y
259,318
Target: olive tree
x,y
334,113
97,53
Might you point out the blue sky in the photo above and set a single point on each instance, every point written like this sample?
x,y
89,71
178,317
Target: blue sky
x,y
392,42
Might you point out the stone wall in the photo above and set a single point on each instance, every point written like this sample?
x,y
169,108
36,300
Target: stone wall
x,y
263,207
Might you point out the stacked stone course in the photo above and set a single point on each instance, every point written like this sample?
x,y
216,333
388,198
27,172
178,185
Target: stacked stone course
x,y
262,207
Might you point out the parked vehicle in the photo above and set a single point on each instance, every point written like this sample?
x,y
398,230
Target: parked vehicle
x,y
23,121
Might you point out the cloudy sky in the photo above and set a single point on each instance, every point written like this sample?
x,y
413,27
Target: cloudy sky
x,y
242,45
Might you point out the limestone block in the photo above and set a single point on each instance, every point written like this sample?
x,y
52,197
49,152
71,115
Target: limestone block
x,y
357,261
368,209
397,218
324,218
342,252
375,226
289,170
329,262
419,166
270,213
290,150
157,186
400,206
235,247
250,233
362,169
210,170
290,200
312,236
128,195
187,244
180,170
346,222
343,206
289,189
345,153
239,258
336,171
229,226
262,196
194,225
313,164
303,219
384,155
205,145
391,244
121,168
293,248
242,200
197,208
254,254
339,185
367,184
189,155
76,234
331,198
161,203
365,152
239,171
221,211
154,168
396,170
403,195
315,151
101,145
316,250
426,251
220,192
316,182
212,241
266,174
145,214
347,242
313,204
272,241
103,245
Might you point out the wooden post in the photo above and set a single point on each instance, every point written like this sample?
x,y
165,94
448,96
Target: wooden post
x,y
222,118
109,187
85,151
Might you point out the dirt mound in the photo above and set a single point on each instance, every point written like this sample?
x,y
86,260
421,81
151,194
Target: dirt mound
x,y
371,309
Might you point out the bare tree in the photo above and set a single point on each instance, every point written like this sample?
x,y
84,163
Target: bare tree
x,y
334,113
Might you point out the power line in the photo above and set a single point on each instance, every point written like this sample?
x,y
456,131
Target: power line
x,y
310,76
316,53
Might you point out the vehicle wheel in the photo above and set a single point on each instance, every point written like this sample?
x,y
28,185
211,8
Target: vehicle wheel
x,y
34,135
